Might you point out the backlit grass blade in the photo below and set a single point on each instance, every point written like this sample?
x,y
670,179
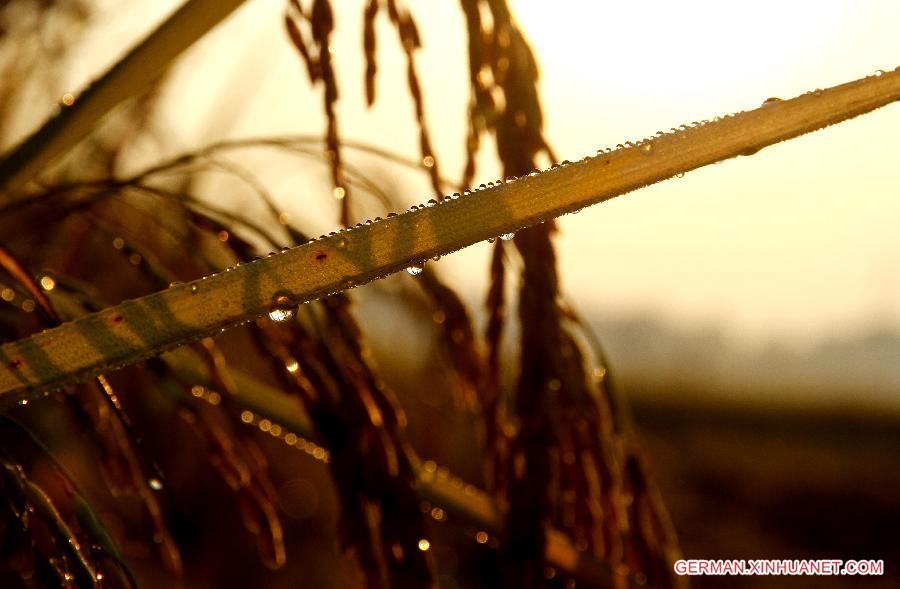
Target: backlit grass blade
x,y
137,329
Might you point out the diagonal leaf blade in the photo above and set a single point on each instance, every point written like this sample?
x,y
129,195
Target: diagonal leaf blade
x,y
137,329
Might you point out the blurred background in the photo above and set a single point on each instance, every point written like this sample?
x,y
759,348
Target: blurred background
x,y
750,310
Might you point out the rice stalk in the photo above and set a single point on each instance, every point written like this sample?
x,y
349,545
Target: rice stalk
x,y
128,467
463,502
316,54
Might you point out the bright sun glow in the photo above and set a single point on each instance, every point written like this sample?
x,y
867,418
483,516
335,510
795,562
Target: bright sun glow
x,y
684,48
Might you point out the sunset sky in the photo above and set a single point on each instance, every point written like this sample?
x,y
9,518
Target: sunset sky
x,y
797,243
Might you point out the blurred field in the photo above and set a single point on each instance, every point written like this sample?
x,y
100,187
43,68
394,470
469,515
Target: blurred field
x,y
778,485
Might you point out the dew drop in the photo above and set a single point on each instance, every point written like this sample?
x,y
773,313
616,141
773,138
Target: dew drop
x,y
194,289
155,484
647,148
282,311
340,193
507,236
431,203
280,314
415,269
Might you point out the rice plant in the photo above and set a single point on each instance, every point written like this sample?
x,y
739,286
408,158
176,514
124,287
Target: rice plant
x,y
229,325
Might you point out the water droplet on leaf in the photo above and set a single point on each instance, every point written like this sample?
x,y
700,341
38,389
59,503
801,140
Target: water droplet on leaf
x,y
280,314
282,311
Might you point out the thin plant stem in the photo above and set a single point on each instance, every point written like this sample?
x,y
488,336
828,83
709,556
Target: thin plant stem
x,y
129,77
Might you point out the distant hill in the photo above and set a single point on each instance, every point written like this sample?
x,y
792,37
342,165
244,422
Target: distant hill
x,y
654,361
